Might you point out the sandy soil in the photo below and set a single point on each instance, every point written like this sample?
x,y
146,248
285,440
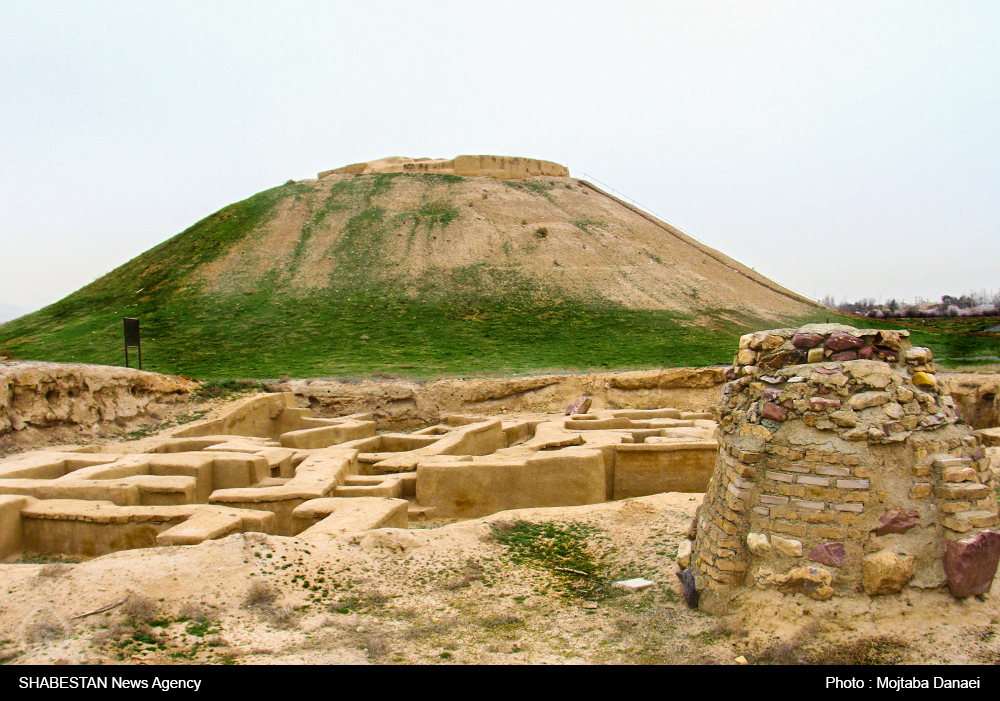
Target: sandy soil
x,y
452,593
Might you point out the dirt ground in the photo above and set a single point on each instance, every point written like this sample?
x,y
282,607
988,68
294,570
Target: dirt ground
x,y
484,591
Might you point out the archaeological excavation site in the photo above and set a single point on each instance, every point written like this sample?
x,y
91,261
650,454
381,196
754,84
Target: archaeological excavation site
x,y
267,466
827,471
816,493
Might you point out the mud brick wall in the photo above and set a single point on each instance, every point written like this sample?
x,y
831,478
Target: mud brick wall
x,y
844,475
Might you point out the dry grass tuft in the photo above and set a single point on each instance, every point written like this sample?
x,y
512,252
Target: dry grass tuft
x,y
283,617
53,570
41,631
376,598
501,620
473,572
44,626
259,594
262,596
197,612
431,629
140,609
465,580
376,646
877,650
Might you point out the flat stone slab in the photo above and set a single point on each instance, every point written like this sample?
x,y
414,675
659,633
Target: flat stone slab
x,y
345,516
636,584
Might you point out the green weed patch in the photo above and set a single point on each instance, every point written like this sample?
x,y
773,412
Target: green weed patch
x,y
564,550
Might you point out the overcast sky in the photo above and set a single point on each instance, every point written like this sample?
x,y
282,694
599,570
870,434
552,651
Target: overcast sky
x,y
843,148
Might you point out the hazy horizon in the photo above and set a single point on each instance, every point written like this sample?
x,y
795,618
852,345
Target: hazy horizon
x,y
847,149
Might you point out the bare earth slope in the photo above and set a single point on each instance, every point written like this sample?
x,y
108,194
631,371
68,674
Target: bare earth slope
x,y
562,233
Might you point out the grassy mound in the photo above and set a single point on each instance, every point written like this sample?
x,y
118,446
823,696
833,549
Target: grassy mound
x,y
205,317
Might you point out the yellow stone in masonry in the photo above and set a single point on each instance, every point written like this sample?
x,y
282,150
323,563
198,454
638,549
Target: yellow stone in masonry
x,y
923,379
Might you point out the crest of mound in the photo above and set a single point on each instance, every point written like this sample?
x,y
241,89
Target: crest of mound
x,y
476,264
483,226
504,167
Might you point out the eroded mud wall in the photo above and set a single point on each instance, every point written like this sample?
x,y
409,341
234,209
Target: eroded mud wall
x,y
399,404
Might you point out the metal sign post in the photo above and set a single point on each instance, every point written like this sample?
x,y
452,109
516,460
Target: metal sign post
x,y
132,339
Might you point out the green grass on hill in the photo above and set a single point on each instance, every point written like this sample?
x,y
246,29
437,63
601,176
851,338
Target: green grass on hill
x,y
264,337
260,337
477,320
959,324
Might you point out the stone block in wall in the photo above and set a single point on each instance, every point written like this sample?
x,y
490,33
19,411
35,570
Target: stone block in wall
x,y
785,512
789,528
944,460
828,532
789,490
823,517
956,525
852,508
787,546
683,557
734,566
758,543
963,490
832,553
954,507
825,494
833,471
897,521
971,563
814,582
725,526
885,572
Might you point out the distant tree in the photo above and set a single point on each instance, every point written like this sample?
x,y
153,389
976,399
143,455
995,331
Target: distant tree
x,y
978,303
981,297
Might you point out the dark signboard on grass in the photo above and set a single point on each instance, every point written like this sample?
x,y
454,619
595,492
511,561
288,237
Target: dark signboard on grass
x,y
132,339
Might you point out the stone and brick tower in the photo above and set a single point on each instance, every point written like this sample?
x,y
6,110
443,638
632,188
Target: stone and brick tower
x,y
841,470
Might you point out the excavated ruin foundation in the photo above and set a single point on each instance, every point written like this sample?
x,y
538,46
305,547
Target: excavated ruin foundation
x,y
842,470
270,467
